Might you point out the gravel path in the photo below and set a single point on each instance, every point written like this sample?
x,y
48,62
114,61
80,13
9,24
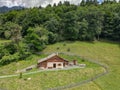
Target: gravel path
x,y
14,75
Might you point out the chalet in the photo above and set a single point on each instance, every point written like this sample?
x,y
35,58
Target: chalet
x,y
52,61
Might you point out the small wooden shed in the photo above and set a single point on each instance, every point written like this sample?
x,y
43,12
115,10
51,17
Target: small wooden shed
x,y
52,61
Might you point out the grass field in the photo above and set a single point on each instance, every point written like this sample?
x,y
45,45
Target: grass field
x,y
47,79
33,59
13,67
105,52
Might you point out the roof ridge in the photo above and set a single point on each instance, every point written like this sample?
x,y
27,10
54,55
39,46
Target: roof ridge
x,y
43,59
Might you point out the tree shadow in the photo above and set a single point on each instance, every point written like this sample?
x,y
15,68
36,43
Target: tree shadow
x,y
111,42
105,41
94,42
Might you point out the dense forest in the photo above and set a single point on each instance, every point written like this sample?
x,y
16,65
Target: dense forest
x,y
31,29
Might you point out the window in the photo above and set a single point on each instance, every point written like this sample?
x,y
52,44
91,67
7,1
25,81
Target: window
x,y
59,64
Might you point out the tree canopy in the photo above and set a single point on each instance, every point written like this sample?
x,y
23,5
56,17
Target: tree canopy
x,y
31,29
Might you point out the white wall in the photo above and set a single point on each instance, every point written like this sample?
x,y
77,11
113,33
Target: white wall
x,y
50,64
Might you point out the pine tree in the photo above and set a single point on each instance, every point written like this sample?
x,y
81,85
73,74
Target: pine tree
x,y
83,3
54,5
60,3
95,2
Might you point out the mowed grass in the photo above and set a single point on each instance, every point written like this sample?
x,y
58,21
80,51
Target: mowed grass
x,y
49,79
33,59
105,52
46,79
79,59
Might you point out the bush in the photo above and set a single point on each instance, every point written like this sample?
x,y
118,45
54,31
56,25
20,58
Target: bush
x,y
57,48
83,60
9,58
20,75
64,44
52,38
68,49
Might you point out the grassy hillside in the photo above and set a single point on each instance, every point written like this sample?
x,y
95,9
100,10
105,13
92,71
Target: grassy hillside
x,y
106,52
32,60
13,67
47,79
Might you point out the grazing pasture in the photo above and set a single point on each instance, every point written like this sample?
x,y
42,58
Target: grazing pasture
x,y
104,52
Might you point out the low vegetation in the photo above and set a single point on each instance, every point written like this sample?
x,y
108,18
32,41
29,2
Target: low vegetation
x,y
106,52
32,60
46,79
22,64
49,79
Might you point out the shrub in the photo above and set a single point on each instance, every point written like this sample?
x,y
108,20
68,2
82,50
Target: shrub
x,y
64,44
20,75
52,38
68,49
83,60
57,48
9,58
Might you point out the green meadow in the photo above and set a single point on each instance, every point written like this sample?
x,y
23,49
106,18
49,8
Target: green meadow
x,y
105,52
46,79
49,79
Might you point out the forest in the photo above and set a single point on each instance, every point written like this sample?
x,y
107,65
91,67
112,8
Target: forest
x,y
29,30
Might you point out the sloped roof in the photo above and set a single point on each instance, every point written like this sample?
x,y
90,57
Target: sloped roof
x,y
48,57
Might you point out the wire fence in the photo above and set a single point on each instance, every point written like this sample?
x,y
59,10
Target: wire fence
x,y
85,81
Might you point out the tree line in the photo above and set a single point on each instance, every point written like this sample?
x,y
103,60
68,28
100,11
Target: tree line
x,y
31,29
